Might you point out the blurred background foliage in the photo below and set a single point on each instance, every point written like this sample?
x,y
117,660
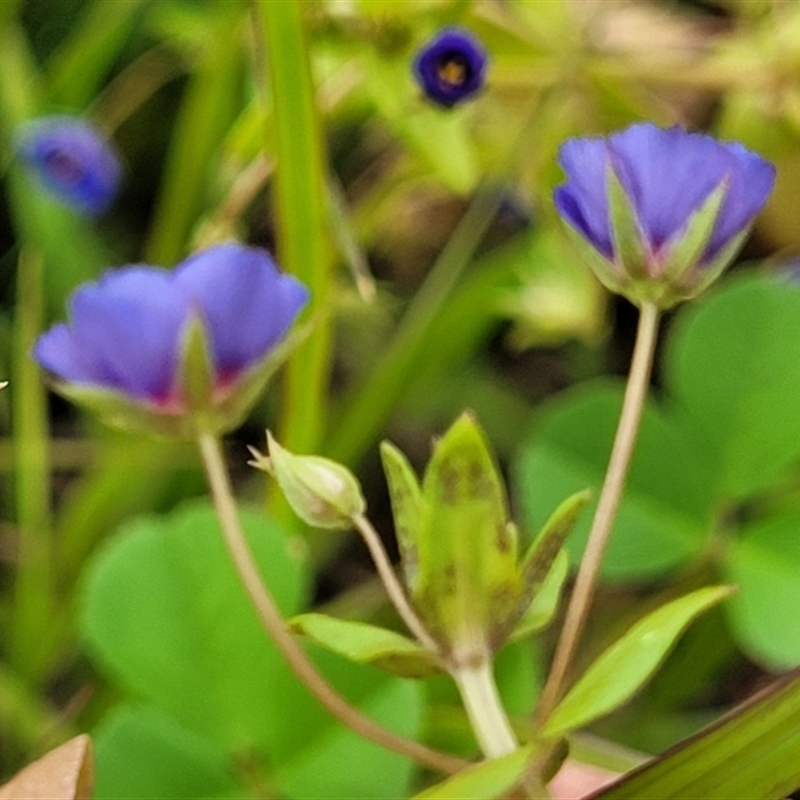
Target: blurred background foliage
x,y
441,281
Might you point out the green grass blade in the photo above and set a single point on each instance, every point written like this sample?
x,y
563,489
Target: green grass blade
x,y
753,753
209,107
303,226
78,68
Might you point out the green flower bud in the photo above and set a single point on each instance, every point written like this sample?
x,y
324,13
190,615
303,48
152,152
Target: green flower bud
x,y
321,492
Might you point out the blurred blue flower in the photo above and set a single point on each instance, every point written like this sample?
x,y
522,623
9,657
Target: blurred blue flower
x,y
72,160
450,67
128,332
686,203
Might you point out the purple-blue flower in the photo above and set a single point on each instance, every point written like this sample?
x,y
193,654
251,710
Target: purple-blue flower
x,y
127,332
679,189
451,67
72,160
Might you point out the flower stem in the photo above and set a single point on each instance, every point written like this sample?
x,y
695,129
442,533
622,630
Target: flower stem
x,y
489,721
275,626
393,587
485,711
607,505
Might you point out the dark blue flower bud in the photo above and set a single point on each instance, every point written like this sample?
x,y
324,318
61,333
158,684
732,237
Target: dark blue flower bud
x,y
660,213
72,160
152,347
450,67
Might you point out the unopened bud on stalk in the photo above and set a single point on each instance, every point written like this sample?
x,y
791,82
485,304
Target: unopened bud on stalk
x,y
321,492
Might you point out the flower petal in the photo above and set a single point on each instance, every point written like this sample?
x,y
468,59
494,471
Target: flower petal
x,y
72,160
450,67
126,328
247,304
583,200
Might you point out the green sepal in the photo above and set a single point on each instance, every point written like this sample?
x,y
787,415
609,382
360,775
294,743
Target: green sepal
x,y
686,252
606,271
233,403
196,374
119,410
368,644
468,585
705,274
542,609
624,667
406,496
536,566
323,493
629,243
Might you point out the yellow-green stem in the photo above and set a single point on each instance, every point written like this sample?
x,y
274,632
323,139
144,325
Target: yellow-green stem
x,y
489,721
485,711
32,590
276,628
607,506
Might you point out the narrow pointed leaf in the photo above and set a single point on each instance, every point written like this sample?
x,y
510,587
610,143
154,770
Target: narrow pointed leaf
x,y
406,497
539,559
368,644
484,781
753,753
543,608
622,669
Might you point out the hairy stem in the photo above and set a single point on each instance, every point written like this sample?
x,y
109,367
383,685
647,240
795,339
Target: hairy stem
x,y
275,626
607,505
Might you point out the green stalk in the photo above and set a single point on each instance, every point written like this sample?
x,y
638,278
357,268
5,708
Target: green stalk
x,y
33,586
303,227
607,506
32,598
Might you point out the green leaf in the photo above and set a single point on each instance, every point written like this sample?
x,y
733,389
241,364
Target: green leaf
x,y
468,584
764,562
334,763
164,611
666,510
622,669
484,781
165,615
368,644
141,752
732,364
753,753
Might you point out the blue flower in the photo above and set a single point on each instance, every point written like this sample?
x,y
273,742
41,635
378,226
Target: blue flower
x,y
663,210
72,160
131,336
450,67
